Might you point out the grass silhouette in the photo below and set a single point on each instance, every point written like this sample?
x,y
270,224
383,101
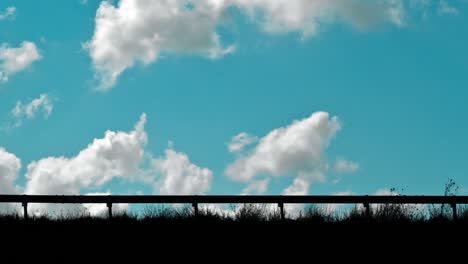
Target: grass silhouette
x,y
254,213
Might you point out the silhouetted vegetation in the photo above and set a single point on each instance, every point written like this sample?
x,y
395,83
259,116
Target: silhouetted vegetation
x,y
250,213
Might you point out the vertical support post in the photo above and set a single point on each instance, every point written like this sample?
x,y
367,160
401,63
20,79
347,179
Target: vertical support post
x,y
454,210
25,210
195,209
109,208
368,211
281,207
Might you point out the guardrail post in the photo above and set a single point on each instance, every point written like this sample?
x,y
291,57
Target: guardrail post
x,y
281,207
109,208
454,210
195,209
25,210
368,211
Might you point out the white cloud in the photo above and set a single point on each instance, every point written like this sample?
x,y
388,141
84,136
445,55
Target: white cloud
x,y
240,141
13,60
101,209
445,8
256,187
299,186
439,7
118,154
8,14
29,110
307,17
140,30
345,166
297,149
180,176
9,168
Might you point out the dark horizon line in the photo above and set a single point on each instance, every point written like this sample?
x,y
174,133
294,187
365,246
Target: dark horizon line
x,y
350,199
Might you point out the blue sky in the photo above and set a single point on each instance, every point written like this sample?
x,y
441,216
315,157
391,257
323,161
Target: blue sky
x,y
393,73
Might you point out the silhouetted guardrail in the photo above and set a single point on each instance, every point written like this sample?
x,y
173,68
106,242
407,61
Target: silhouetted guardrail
x,y
233,199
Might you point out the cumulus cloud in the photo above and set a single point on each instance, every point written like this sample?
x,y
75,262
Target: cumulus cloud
x,y
256,187
299,186
345,166
240,141
295,149
141,30
43,104
9,168
180,176
13,60
117,154
445,8
8,13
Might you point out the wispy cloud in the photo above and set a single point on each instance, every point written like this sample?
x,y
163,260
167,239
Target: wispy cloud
x,y
44,105
256,187
345,166
240,141
8,14
446,9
